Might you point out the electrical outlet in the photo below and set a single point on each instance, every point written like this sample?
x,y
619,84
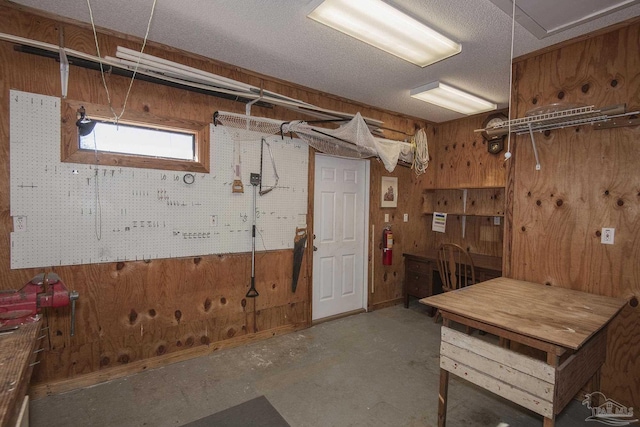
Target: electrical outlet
x,y
406,217
607,236
496,220
19,223
213,220
386,217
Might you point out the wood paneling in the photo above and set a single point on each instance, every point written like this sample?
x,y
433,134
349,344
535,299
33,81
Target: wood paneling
x,y
589,180
481,236
461,161
135,315
461,156
411,236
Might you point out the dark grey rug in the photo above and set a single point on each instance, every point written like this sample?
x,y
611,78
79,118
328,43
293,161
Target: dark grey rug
x,y
256,412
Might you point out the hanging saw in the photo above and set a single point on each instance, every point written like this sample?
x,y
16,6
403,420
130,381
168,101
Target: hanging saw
x,y
264,142
300,241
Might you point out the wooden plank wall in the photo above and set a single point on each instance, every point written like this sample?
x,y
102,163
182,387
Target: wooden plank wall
x,y
135,315
589,179
385,285
461,160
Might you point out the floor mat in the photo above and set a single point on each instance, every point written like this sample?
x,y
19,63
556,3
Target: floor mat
x,y
256,412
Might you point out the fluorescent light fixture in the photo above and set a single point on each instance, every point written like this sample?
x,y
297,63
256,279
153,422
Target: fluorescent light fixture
x,y
451,98
380,25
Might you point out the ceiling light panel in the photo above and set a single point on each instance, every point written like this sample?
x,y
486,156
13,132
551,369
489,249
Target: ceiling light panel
x,y
535,15
380,25
451,98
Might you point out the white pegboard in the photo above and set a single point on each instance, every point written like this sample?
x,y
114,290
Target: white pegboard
x,y
67,213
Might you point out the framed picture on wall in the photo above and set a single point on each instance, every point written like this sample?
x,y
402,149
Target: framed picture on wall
x,y
389,192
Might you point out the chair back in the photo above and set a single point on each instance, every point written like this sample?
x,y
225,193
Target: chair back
x,y
455,267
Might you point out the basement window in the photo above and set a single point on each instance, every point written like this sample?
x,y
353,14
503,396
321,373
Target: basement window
x,y
139,140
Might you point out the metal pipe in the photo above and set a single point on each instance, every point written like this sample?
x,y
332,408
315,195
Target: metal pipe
x,y
249,104
73,296
535,149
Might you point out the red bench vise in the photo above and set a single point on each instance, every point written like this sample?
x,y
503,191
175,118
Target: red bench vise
x,y
44,290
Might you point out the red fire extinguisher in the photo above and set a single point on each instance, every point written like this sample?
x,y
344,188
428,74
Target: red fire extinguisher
x,y
387,245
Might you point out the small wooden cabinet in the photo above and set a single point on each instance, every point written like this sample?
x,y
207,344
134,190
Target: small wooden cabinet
x,y
421,277
418,277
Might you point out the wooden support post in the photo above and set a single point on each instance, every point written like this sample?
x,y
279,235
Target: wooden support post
x,y
553,360
504,342
595,381
442,398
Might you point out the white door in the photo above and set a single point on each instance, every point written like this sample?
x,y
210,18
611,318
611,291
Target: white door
x,y
341,208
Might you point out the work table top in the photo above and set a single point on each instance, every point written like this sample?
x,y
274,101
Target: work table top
x,y
16,351
552,314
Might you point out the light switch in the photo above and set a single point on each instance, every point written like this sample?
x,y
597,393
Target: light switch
x,y
386,217
405,217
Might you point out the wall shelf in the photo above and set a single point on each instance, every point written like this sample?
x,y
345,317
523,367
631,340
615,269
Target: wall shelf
x,y
558,116
463,202
501,215
553,117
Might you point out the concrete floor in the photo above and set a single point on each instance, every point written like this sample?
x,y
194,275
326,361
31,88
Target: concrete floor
x,y
370,369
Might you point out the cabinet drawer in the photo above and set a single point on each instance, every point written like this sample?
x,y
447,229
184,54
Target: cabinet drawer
x,y
417,267
417,285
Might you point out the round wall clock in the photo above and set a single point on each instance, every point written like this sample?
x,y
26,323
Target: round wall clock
x,y
188,178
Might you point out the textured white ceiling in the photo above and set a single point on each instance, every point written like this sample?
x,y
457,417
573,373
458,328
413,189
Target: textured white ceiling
x,y
276,38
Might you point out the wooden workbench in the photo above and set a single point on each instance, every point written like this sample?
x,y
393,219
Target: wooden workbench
x,y
421,277
569,326
17,353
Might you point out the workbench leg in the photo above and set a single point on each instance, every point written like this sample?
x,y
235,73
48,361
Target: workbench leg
x,y
553,360
504,343
595,381
442,398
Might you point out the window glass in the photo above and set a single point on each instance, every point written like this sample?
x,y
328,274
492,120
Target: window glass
x,y
141,141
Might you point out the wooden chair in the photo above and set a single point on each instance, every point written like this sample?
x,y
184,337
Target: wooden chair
x,y
455,267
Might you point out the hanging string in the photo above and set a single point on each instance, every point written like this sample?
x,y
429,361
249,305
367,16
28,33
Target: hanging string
x,y
421,153
507,155
97,224
133,76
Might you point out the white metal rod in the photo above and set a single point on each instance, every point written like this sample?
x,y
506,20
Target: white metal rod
x,y
176,66
177,69
183,75
276,99
535,149
373,257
